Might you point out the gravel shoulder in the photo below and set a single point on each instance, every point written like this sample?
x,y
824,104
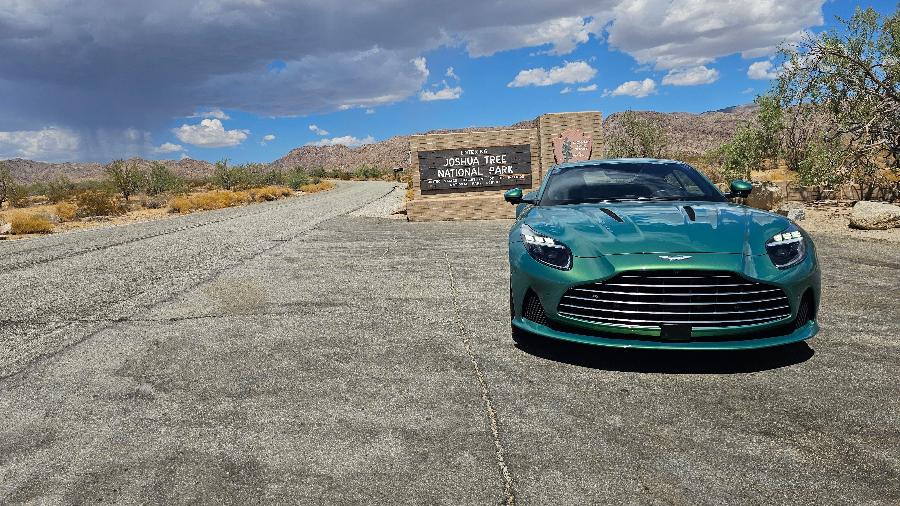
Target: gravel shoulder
x,y
298,354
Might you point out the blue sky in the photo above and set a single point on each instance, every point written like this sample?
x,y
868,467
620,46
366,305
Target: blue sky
x,y
231,81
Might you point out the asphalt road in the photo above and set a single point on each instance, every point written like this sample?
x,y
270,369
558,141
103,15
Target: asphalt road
x,y
291,353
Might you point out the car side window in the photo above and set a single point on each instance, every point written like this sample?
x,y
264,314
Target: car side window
x,y
687,183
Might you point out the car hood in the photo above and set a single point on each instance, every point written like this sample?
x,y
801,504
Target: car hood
x,y
592,230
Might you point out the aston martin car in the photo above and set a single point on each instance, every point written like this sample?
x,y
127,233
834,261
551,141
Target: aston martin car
x,y
646,253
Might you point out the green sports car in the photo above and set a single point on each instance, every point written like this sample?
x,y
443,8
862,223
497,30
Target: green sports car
x,y
645,253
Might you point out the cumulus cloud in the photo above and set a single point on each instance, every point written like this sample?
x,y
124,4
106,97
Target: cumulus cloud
x,y
691,76
762,70
84,67
692,32
316,130
346,140
168,147
638,89
562,34
590,87
213,113
210,133
570,73
48,144
445,93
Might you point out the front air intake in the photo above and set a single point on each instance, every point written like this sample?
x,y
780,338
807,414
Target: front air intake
x,y
676,297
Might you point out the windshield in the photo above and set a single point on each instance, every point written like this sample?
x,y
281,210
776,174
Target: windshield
x,y
614,182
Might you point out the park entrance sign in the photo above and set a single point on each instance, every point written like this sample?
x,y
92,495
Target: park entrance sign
x,y
461,176
478,167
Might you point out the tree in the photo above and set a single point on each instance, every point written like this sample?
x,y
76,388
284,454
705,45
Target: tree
x,y
741,154
126,177
852,77
160,180
7,186
770,126
638,138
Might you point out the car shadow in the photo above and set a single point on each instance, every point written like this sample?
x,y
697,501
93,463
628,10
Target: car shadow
x,y
667,361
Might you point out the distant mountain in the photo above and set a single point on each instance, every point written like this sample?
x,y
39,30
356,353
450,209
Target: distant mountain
x,y
29,171
689,134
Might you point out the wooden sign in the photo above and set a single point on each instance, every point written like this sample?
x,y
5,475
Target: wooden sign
x,y
572,146
473,168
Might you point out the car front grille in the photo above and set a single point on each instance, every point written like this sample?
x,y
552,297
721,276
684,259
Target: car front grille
x,y
677,297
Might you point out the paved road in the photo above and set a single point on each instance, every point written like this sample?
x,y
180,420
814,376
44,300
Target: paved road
x,y
288,352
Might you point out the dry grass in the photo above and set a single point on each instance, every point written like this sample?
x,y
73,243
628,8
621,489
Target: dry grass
x,y
28,223
317,187
207,201
65,211
267,193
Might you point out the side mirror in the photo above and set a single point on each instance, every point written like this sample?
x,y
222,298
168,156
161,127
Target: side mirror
x,y
513,196
740,189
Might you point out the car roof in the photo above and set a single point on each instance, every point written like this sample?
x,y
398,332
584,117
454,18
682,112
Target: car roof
x,y
613,161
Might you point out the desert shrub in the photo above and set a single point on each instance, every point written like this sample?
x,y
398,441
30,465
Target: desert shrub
x,y
207,201
297,177
59,189
370,173
126,177
741,154
318,172
821,165
155,202
268,193
318,187
231,177
66,211
29,223
161,180
98,203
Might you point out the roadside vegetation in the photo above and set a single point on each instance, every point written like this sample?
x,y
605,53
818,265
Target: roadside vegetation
x,y
832,117
130,192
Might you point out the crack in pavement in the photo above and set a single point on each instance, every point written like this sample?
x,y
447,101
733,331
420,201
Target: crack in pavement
x,y
499,452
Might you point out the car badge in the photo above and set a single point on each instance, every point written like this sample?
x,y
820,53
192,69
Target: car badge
x,y
675,259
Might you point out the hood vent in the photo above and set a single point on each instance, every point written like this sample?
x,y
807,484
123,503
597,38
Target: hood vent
x,y
612,214
691,214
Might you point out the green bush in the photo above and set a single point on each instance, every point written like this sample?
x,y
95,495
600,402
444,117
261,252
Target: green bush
x,y
296,178
741,154
59,189
161,180
98,203
126,177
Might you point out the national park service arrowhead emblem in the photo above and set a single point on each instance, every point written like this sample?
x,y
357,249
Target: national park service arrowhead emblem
x,y
572,146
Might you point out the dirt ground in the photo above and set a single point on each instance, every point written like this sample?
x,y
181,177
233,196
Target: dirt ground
x,y
834,218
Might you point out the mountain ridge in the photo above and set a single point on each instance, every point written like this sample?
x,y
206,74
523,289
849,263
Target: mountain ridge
x,y
689,134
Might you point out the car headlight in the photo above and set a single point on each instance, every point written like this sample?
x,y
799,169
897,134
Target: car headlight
x,y
546,250
787,249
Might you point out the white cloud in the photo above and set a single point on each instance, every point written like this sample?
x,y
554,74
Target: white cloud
x,y
168,147
210,133
688,33
567,89
638,89
320,131
346,140
370,111
269,137
590,87
570,73
212,113
562,34
762,70
47,144
691,76
445,93
421,65
451,74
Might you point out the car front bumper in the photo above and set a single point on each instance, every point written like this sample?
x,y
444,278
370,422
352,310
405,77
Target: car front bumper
x,y
551,284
